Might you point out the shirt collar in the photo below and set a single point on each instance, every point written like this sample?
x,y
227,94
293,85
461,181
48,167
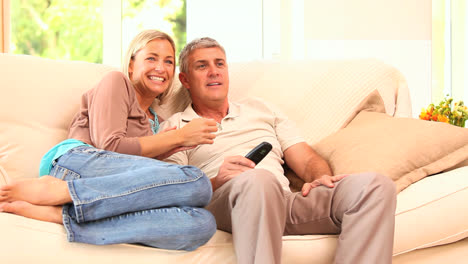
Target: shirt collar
x,y
190,114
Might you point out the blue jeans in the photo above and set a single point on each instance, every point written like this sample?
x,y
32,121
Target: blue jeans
x,y
121,198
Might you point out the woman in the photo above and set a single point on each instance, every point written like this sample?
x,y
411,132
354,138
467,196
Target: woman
x,y
103,195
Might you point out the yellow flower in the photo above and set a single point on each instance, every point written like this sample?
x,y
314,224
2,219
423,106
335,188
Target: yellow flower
x,y
443,112
442,118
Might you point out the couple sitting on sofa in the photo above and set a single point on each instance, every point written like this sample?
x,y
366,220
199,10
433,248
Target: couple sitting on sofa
x,y
101,186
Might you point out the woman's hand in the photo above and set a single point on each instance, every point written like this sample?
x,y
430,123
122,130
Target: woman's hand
x,y
171,140
198,131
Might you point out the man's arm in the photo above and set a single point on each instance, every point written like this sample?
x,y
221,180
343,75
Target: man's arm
x,y
310,167
305,162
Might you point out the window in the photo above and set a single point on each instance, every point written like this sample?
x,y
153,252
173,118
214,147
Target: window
x,y
100,30
248,29
125,18
450,57
57,29
165,15
94,30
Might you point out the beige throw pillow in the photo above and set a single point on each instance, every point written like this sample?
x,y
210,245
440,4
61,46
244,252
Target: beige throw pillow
x,y
404,149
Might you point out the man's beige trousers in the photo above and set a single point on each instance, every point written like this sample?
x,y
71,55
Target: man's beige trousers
x,y
256,210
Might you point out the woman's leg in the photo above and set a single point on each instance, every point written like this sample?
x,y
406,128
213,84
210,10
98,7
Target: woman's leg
x,y
46,190
119,199
39,212
183,228
103,184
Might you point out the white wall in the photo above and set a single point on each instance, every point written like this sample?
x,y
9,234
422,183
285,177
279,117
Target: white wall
x,y
248,29
235,24
395,31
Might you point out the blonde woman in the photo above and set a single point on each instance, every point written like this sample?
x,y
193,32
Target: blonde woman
x,y
103,183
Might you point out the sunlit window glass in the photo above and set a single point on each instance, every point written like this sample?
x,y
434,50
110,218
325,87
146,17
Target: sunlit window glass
x,y
168,16
70,30
449,53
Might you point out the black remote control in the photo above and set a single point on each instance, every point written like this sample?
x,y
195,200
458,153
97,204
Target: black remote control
x,y
259,152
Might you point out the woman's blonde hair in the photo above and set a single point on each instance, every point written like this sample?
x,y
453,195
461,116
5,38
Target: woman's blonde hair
x,y
140,42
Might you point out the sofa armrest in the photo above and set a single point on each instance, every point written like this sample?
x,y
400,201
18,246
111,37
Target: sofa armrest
x,y
403,99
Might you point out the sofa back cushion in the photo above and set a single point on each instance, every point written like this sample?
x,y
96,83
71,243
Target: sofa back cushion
x,y
40,97
321,96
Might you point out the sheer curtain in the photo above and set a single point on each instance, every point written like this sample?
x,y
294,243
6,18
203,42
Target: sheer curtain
x,y
1,27
4,25
450,55
459,54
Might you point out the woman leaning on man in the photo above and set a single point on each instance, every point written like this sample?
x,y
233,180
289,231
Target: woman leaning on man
x,y
103,183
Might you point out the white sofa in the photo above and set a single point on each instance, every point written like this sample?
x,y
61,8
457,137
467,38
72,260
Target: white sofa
x,y
39,97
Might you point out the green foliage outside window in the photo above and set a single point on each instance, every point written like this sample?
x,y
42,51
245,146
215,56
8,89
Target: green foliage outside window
x,y
179,21
70,30
73,29
175,13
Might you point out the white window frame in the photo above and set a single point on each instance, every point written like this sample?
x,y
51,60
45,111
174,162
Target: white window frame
x,y
465,91
453,86
448,49
112,32
271,28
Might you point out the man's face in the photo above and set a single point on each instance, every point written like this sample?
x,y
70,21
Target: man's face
x,y
207,78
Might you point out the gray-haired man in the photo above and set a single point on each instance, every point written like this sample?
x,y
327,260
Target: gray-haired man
x,y
254,202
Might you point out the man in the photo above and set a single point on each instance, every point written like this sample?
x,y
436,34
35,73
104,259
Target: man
x,y
254,202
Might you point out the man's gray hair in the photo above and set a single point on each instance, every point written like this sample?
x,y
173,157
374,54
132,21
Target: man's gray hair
x,y
199,43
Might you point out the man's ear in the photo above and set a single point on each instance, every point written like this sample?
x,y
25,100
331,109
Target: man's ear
x,y
183,79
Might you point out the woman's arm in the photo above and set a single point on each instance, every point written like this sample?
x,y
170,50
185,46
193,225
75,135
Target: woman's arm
x,y
196,132
111,109
107,114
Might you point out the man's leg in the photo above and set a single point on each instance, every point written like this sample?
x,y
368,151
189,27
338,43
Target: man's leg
x,y
251,206
361,207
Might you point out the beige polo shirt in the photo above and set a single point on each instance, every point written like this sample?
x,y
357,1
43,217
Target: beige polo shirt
x,y
248,123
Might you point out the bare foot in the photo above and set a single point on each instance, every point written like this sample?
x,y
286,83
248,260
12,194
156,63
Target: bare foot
x,y
46,190
44,213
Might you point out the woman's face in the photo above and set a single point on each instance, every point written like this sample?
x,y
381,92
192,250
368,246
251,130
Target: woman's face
x,y
152,68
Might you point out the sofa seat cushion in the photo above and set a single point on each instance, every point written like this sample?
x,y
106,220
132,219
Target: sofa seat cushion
x,y
454,253
436,203
47,243
433,211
